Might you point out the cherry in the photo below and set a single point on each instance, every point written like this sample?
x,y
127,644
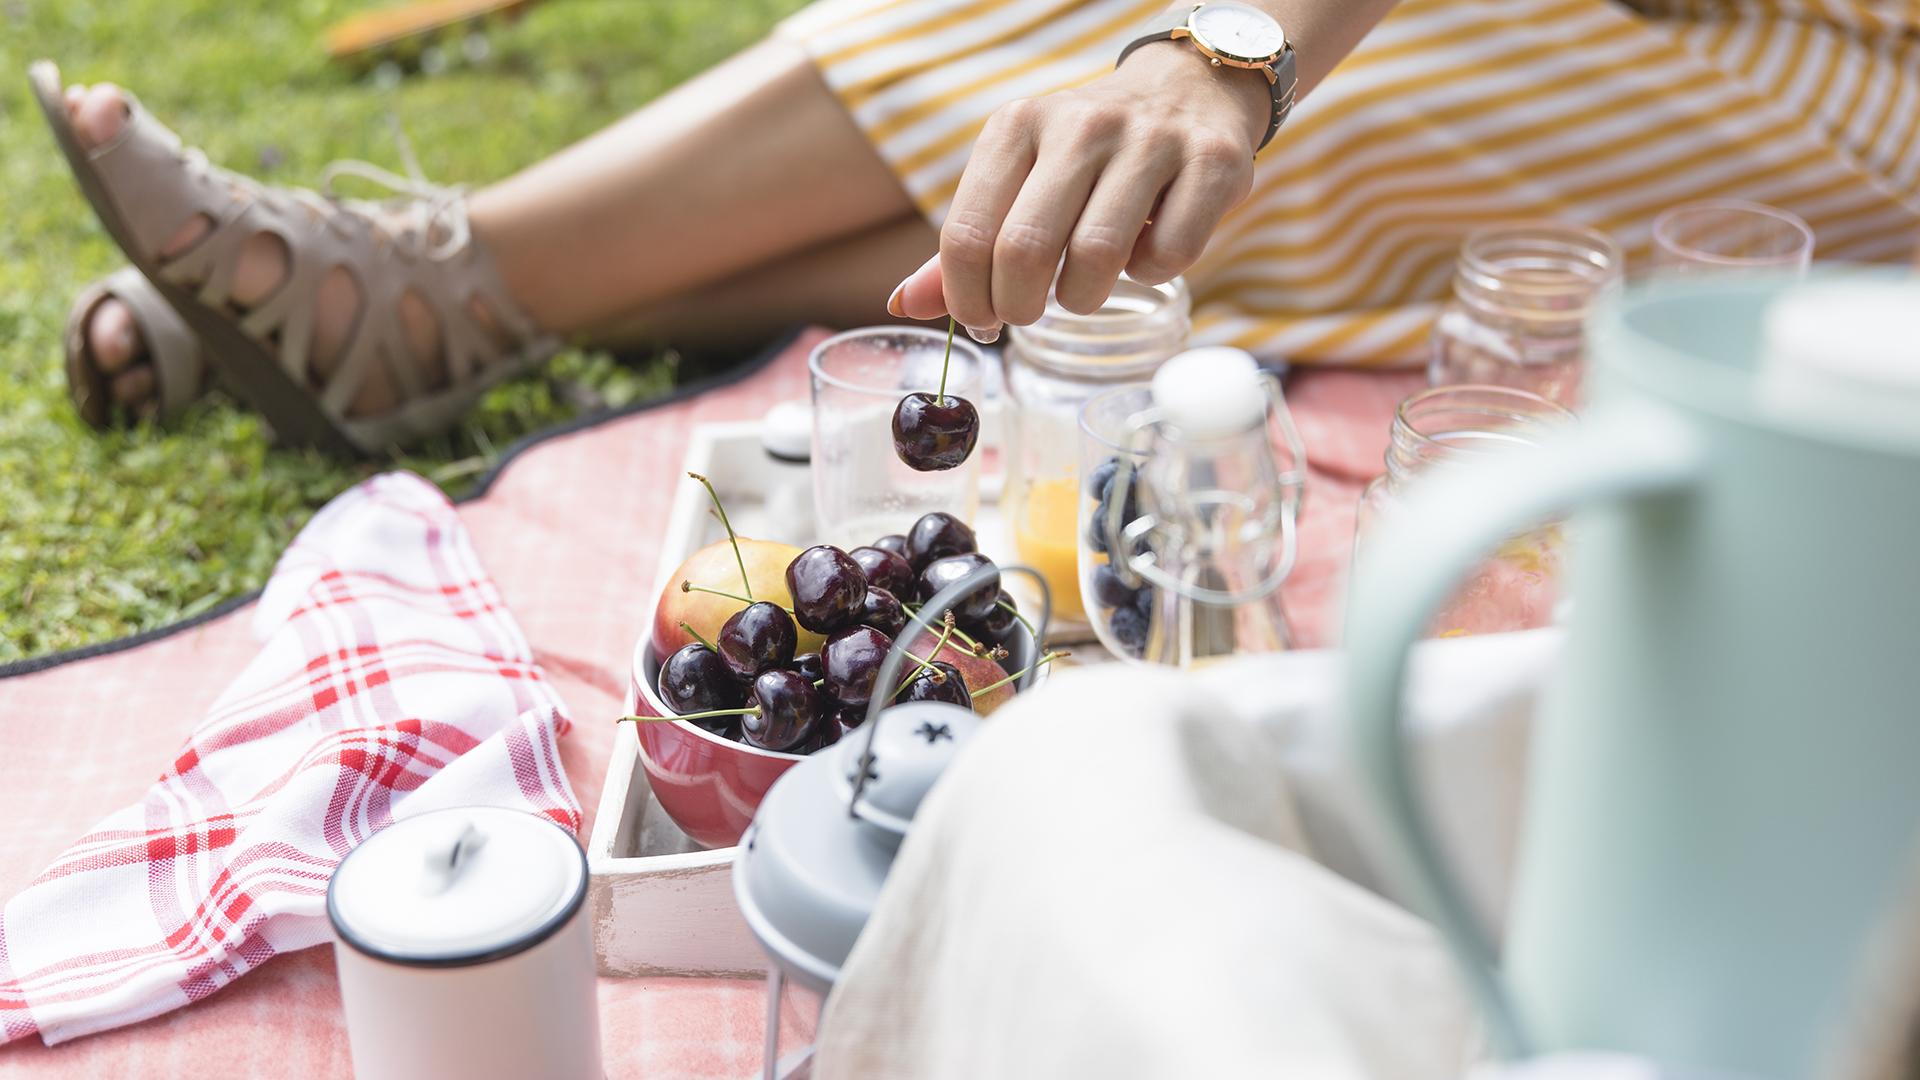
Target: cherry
x,y
758,637
884,568
978,602
850,716
883,612
936,536
828,588
933,434
852,658
893,542
807,665
694,679
999,623
825,734
788,710
939,681
937,431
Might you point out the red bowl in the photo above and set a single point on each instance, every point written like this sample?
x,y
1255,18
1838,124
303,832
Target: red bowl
x,y
710,786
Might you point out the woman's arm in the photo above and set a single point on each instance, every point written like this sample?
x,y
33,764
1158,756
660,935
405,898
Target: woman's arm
x,y
1076,175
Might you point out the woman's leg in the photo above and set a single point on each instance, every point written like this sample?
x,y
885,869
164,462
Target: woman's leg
x,y
749,163
753,160
841,283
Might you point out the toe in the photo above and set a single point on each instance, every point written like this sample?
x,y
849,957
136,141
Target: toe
x,y
113,337
101,115
134,386
74,95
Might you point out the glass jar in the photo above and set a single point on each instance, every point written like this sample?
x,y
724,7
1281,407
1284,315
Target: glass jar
x,y
1052,368
1189,517
1517,587
1521,294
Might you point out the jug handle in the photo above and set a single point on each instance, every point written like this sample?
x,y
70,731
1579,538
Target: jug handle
x,y
1406,573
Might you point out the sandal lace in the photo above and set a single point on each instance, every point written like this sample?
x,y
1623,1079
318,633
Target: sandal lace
x,y
441,208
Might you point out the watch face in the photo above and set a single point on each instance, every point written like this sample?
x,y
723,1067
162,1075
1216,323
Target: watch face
x,y
1241,31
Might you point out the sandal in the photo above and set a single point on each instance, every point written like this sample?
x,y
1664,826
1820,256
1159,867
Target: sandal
x,y
143,185
179,370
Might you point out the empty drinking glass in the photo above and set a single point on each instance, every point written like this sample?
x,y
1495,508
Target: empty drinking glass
x,y
861,488
1730,234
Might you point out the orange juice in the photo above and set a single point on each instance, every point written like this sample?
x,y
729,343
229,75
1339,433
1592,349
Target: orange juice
x,y
1046,533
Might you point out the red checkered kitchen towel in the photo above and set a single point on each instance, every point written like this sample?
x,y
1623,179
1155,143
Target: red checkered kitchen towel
x,y
391,681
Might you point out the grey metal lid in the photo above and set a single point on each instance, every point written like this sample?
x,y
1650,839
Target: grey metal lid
x,y
910,751
807,872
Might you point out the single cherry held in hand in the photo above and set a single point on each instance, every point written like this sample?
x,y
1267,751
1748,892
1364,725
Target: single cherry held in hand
x,y
935,432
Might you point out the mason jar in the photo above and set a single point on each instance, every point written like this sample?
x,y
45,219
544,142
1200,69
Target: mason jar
x,y
1521,294
1516,587
1052,368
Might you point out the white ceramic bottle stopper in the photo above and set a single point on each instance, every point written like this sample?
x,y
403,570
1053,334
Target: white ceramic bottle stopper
x,y
464,949
1846,351
1211,392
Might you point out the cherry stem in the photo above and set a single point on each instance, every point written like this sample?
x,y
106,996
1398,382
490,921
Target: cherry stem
x,y
1015,612
695,635
732,539
922,665
941,399
688,586
749,711
973,646
1022,673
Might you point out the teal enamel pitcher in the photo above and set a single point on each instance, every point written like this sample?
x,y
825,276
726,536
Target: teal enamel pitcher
x,y
1724,782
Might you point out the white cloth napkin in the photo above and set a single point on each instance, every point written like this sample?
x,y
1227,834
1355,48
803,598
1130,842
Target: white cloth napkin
x,y
1119,880
391,681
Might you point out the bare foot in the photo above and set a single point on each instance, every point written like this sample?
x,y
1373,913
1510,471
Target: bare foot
x,y
99,113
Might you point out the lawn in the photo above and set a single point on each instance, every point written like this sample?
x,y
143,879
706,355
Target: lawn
x,y
105,535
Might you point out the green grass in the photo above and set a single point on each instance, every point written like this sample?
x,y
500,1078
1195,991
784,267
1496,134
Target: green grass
x,y
107,534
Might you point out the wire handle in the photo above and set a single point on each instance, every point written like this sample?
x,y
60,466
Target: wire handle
x,y
938,605
1126,538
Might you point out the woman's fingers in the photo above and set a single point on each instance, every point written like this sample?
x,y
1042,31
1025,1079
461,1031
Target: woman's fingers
x,y
1215,174
1032,240
1104,238
1002,157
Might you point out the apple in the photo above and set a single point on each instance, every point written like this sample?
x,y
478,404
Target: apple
x,y
978,671
714,567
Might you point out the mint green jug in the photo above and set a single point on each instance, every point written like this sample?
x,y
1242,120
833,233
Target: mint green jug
x,y
1724,782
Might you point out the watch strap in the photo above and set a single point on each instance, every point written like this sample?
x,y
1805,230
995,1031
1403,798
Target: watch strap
x,y
1158,28
1285,81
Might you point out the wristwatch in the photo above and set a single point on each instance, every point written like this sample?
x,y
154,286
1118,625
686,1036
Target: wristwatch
x,y
1233,35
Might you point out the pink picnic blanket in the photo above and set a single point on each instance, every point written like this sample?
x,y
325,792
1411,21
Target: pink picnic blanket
x,y
569,535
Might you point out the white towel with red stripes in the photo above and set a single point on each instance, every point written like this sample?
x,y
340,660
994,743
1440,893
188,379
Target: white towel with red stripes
x,y
391,681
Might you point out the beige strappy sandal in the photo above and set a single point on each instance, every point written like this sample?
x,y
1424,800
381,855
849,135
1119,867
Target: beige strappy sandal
x,y
144,185
179,369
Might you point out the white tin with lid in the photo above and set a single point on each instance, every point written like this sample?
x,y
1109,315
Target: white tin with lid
x,y
464,949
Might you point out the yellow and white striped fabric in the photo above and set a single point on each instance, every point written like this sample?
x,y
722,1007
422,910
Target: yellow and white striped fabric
x,y
1452,114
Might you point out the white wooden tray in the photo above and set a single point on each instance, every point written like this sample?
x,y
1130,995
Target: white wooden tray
x,y
661,905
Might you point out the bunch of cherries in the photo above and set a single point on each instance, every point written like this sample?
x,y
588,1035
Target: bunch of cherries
x,y
1128,609
750,686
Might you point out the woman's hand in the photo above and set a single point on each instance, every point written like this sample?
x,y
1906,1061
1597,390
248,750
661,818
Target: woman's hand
x,y
1131,172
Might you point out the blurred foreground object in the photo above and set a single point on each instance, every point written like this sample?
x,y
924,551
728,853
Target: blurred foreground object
x,y
1722,799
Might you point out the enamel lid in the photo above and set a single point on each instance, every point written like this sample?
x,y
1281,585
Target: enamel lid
x,y
808,872
1845,351
459,886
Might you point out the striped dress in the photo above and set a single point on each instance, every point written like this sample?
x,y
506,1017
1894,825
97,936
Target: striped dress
x,y
1450,115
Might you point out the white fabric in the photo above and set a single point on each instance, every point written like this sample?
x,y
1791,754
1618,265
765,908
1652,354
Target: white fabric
x,y
1117,880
